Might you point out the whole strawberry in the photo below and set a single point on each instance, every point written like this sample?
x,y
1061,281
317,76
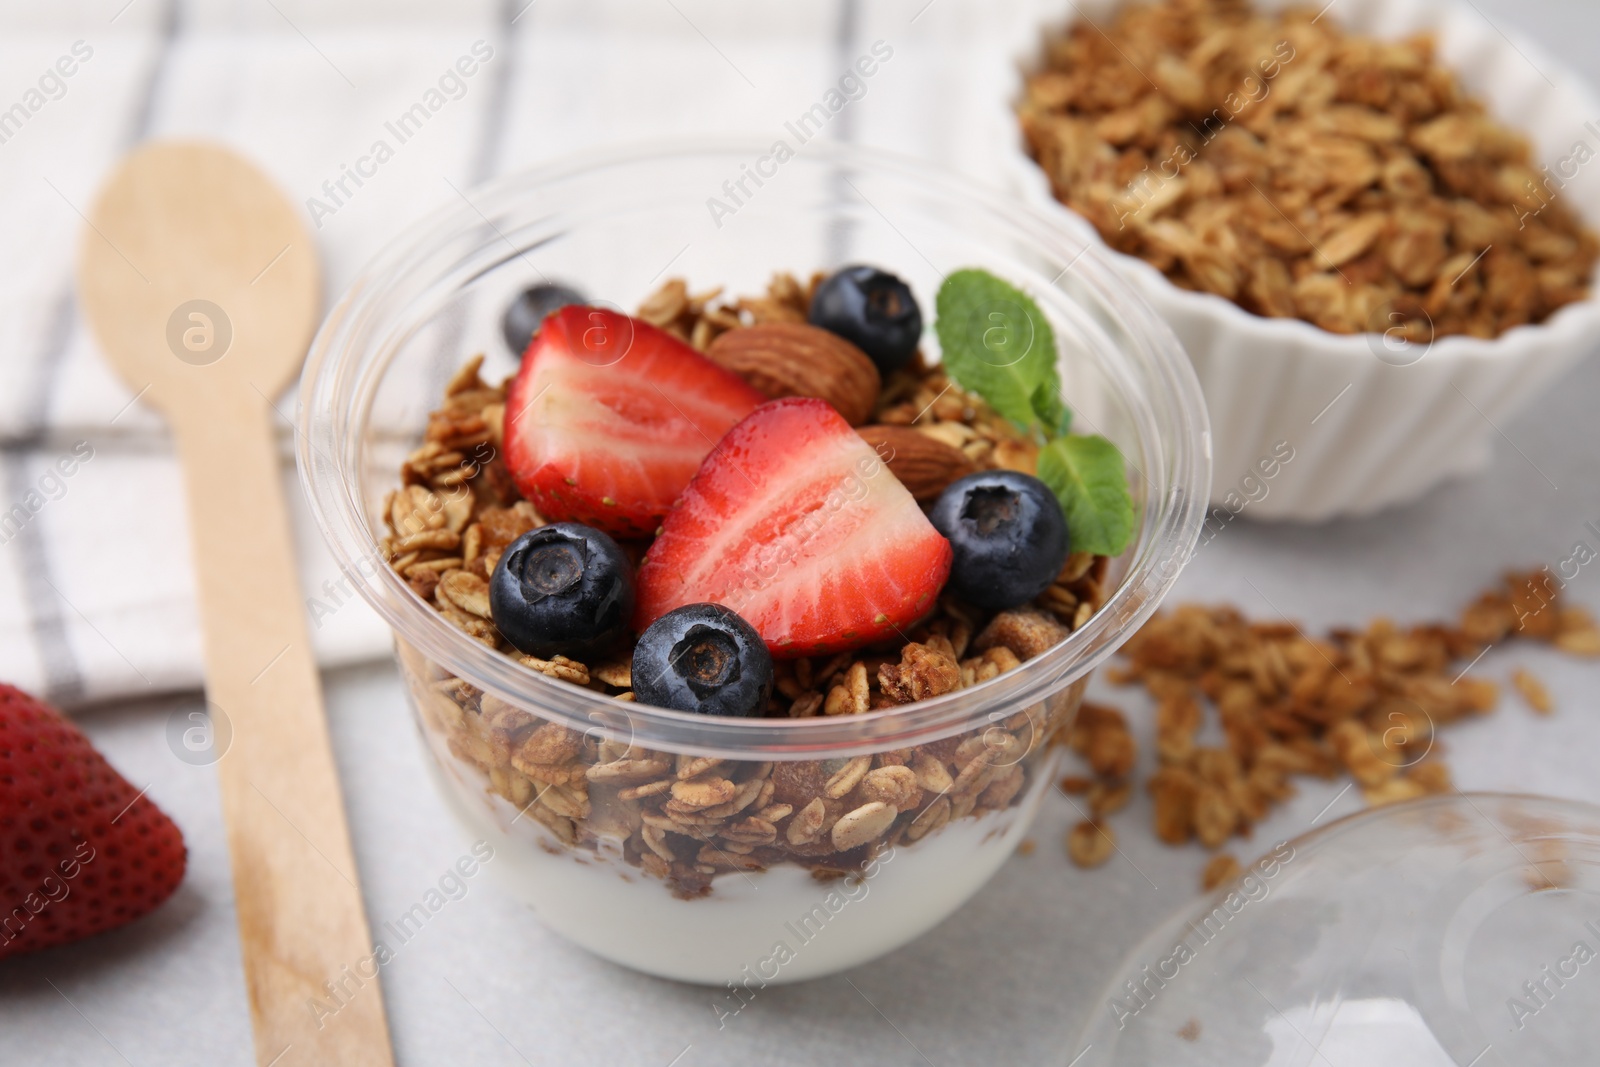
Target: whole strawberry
x,y
80,850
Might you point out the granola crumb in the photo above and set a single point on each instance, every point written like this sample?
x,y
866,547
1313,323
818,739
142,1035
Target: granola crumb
x,y
1190,1031
1108,796
923,672
1100,734
1025,634
1533,691
1089,844
1221,870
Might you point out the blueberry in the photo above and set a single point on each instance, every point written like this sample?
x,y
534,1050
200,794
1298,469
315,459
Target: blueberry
x,y
873,310
1008,533
703,658
562,589
527,312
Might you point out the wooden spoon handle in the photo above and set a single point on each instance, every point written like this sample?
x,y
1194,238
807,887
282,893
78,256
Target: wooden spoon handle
x,y
301,921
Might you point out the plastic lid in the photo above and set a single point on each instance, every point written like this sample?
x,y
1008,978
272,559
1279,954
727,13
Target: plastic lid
x,y
1461,930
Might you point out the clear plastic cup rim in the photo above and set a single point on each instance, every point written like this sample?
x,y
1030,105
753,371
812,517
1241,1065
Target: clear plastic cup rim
x,y
347,362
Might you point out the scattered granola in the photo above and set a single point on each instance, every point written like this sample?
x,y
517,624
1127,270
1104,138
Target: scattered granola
x,y
1366,703
685,819
1222,869
1300,171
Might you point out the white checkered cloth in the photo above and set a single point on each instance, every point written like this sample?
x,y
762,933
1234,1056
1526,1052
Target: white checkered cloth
x,y
96,595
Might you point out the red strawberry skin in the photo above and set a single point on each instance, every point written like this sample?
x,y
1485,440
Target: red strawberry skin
x,y
609,418
795,523
80,850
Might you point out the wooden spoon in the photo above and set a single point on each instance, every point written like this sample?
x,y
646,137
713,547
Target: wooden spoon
x,y
201,285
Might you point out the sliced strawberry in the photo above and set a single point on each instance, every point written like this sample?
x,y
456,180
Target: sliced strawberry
x,y
81,850
609,418
795,523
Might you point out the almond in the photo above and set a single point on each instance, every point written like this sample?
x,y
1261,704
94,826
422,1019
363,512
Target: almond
x,y
924,465
792,359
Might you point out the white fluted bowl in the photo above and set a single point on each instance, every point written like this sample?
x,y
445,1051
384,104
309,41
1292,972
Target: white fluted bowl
x,y
1369,424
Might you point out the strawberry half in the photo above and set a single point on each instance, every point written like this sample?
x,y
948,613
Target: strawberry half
x,y
81,850
609,418
795,523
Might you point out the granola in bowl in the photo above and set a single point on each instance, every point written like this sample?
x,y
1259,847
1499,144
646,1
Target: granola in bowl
x,y
685,819
1380,214
738,512
1304,172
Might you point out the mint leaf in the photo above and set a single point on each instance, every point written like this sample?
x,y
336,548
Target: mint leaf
x,y
1055,415
998,344
1087,475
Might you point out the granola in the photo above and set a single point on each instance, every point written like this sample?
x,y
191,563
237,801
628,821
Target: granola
x,y
1300,171
1364,703
1090,843
685,819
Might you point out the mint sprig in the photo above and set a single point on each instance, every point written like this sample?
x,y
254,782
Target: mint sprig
x,y
998,344
1087,474
1055,415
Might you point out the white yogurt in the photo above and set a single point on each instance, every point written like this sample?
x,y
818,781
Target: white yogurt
x,y
754,928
